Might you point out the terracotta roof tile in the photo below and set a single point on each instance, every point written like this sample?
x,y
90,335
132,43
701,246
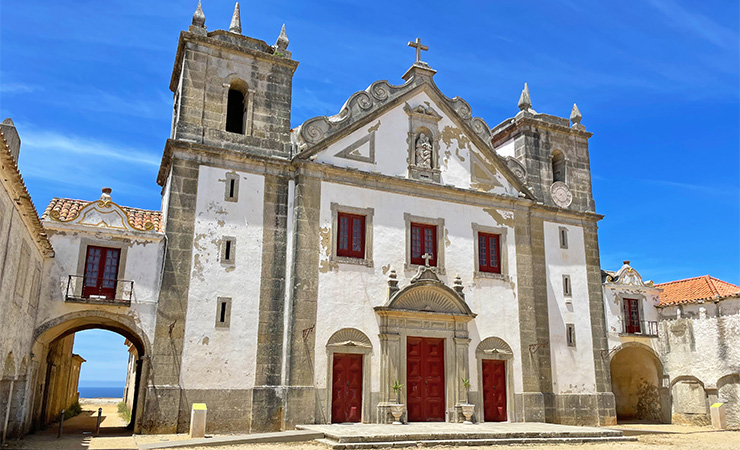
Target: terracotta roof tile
x,y
692,290
68,209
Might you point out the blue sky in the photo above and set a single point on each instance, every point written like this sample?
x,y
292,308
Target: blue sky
x,y
86,83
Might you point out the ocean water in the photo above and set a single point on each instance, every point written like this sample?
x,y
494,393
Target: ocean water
x,y
100,392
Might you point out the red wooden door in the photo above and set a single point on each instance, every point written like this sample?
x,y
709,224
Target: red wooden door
x,y
494,390
346,391
101,270
425,379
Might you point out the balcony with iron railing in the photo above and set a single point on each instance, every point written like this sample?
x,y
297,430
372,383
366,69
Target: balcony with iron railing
x,y
647,328
103,291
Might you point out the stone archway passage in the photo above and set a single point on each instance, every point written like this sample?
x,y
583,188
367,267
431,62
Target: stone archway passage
x,y
636,383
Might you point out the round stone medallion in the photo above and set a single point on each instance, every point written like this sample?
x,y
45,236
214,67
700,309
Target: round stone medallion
x,y
561,194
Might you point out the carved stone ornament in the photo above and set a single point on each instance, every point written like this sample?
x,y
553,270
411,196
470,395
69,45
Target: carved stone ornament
x,y
516,168
560,194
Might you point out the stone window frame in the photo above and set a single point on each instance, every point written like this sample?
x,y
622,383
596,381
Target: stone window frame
x,y
21,273
231,177
440,224
563,237
231,260
570,332
567,287
122,247
226,302
503,255
565,166
336,208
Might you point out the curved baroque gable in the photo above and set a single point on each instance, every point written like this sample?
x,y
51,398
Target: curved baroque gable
x,y
429,296
104,214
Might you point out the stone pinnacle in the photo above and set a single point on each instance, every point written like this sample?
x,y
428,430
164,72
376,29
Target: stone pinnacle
x,y
525,102
282,40
199,19
236,21
575,115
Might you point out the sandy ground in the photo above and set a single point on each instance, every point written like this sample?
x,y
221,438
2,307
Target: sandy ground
x,y
78,436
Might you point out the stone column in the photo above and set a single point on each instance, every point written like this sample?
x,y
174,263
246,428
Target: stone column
x,y
266,396
533,318
162,404
300,400
462,371
390,358
606,406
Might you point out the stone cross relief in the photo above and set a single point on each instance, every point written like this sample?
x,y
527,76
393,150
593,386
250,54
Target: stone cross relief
x,y
423,151
426,257
419,48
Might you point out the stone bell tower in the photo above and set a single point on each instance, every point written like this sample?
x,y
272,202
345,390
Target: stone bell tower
x,y
550,153
232,91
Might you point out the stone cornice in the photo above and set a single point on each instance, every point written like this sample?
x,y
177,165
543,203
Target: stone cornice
x,y
13,182
506,129
241,44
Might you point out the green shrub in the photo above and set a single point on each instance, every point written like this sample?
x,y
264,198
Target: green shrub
x,y
124,412
72,411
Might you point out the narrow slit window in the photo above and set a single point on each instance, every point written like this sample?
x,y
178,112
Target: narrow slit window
x,y
563,232
570,332
223,312
231,193
235,112
567,288
228,250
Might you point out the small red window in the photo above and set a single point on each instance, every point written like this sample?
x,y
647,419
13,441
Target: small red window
x,y
631,315
351,235
101,271
489,252
423,242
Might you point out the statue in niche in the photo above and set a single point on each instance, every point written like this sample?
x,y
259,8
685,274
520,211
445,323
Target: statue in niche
x,y
423,151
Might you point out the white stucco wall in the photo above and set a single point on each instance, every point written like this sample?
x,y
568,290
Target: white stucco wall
x,y
572,367
703,344
493,300
613,309
224,358
507,149
143,265
391,149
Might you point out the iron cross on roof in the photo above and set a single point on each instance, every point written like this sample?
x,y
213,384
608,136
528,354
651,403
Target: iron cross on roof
x,y
417,45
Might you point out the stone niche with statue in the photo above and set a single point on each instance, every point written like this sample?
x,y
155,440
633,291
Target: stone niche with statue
x,y
423,142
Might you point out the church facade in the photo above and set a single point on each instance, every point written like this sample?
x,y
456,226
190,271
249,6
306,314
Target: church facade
x,y
402,241
401,251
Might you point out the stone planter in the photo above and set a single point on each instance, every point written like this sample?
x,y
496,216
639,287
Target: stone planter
x,y
397,411
467,410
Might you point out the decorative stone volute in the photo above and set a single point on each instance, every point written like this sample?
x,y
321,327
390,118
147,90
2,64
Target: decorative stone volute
x,y
236,21
199,21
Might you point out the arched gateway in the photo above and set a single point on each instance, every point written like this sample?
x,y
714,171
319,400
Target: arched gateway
x,y
424,345
56,329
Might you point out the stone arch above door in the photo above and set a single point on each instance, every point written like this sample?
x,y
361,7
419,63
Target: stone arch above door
x,y
494,348
349,337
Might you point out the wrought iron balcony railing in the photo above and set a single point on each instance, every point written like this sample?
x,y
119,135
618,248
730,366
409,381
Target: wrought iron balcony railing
x,y
646,328
82,289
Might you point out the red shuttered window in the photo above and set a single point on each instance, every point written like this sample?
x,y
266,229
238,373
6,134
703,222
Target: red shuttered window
x,y
423,242
351,235
489,252
101,271
631,315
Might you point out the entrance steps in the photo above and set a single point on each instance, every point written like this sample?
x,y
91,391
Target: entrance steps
x,y
370,436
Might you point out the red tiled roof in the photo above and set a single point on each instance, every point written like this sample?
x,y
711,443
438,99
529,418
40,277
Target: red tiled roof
x,y
68,209
691,290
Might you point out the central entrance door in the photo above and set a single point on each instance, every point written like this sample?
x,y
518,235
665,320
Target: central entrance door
x,y
346,391
425,377
494,390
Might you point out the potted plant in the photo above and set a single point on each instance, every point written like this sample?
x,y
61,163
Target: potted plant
x,y
467,408
397,408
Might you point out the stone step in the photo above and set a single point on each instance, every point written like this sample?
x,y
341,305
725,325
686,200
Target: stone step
x,y
474,442
465,435
255,438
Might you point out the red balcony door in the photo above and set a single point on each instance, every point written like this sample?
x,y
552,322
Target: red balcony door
x,y
494,390
346,391
101,271
425,377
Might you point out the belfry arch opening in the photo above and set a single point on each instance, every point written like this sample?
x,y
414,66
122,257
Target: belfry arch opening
x,y
558,166
236,107
57,372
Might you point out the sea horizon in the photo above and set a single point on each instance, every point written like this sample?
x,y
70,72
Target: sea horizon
x,y
100,391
